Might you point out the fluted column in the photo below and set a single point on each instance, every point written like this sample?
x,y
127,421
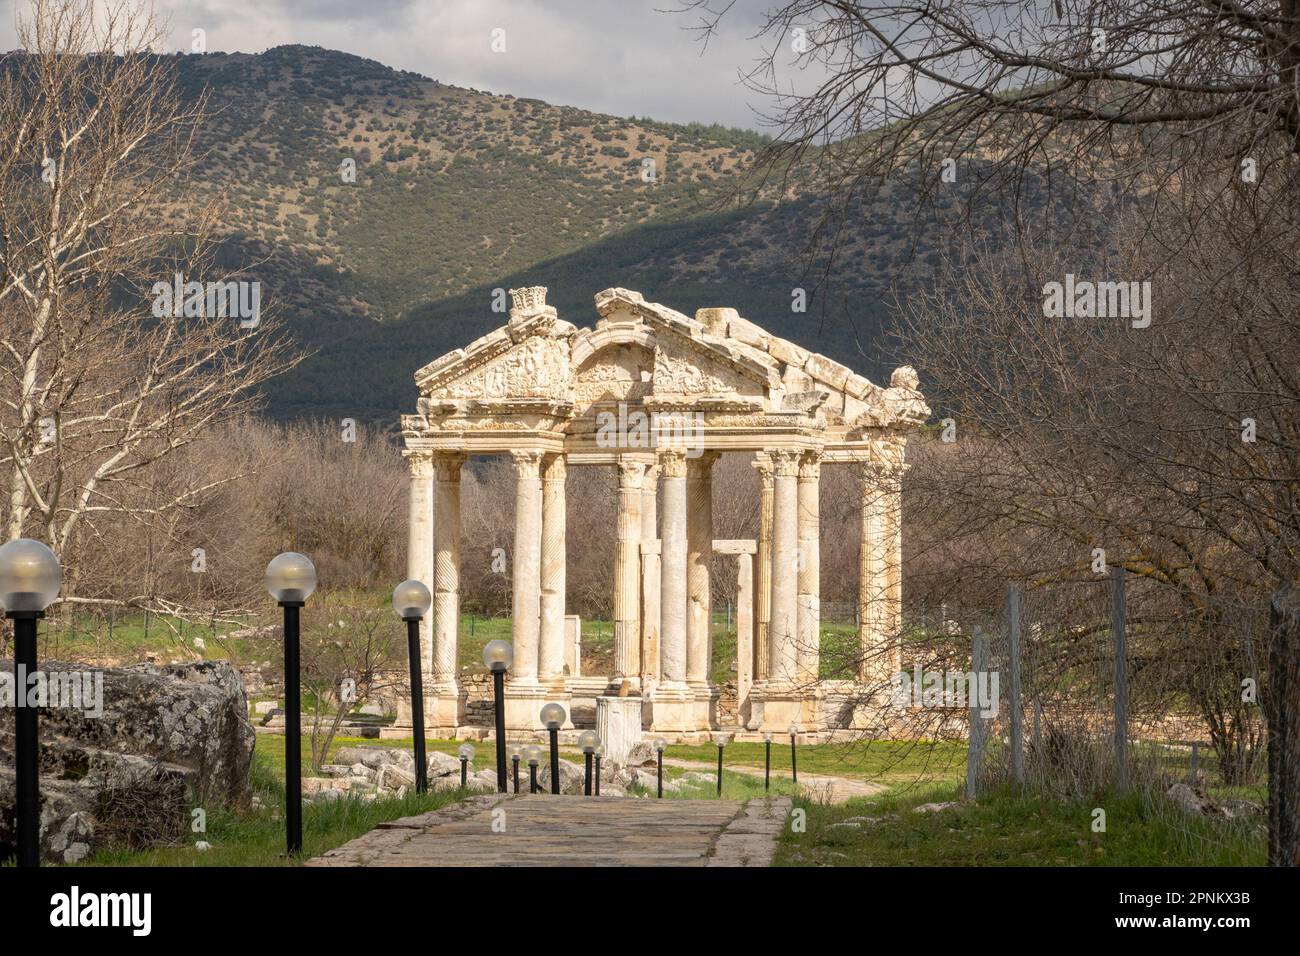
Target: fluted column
x,y
525,613
699,552
627,576
649,577
872,642
809,584
672,698
419,543
446,707
550,658
763,587
783,628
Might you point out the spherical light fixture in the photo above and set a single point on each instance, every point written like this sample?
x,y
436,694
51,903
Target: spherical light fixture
x,y
30,576
588,741
553,716
291,577
498,655
411,600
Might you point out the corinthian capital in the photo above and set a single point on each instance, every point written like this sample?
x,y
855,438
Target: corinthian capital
x,y
528,464
672,463
419,462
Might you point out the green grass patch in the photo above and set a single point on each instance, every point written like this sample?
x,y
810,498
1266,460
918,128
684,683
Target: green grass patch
x,y
1012,829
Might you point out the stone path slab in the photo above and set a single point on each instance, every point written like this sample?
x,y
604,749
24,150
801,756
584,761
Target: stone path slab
x,y
546,830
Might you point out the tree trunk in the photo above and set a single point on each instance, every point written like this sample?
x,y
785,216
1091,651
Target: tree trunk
x,y
1284,731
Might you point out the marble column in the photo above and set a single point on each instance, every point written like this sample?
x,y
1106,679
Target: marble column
x,y
763,586
419,559
892,610
673,700
649,578
744,634
550,655
809,583
872,654
699,607
446,709
627,578
781,699
524,695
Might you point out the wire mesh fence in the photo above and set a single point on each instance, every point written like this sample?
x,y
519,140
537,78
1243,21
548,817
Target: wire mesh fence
x,y
1068,693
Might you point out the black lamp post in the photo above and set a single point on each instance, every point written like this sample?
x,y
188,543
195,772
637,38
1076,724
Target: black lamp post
x,y
290,579
588,740
466,755
534,755
498,656
516,751
767,761
600,752
30,578
721,741
659,773
794,746
411,601
553,718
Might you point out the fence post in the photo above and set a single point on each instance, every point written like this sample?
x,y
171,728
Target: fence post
x,y
1118,623
1196,754
975,735
1017,731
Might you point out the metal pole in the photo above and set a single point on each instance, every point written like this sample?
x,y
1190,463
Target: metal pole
x,y
515,761
1017,731
794,760
27,748
555,759
532,778
586,780
292,730
719,772
661,775
464,772
1118,627
767,765
499,693
417,704
975,730
598,776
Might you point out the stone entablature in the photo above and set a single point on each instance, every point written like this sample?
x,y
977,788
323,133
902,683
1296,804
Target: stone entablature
x,y
661,395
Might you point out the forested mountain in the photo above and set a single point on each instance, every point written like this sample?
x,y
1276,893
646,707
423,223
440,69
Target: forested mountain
x,y
459,192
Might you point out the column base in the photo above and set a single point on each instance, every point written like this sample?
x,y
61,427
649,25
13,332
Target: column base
x,y
524,703
444,713
672,708
779,706
706,706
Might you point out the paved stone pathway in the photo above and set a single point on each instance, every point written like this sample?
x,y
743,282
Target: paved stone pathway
x,y
820,788
545,830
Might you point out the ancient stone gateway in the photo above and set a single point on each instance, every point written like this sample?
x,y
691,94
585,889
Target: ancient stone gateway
x,y
660,396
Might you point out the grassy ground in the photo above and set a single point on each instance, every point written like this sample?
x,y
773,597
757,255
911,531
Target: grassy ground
x,y
893,763
1009,829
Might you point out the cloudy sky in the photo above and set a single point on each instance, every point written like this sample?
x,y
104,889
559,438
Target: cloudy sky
x,y
615,56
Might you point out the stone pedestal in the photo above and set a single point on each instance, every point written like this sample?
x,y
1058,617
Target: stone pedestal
x,y
673,708
618,722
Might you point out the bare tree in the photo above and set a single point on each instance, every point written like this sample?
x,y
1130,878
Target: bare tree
x,y
104,373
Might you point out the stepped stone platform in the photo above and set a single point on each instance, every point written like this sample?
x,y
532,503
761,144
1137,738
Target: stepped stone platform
x,y
545,830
